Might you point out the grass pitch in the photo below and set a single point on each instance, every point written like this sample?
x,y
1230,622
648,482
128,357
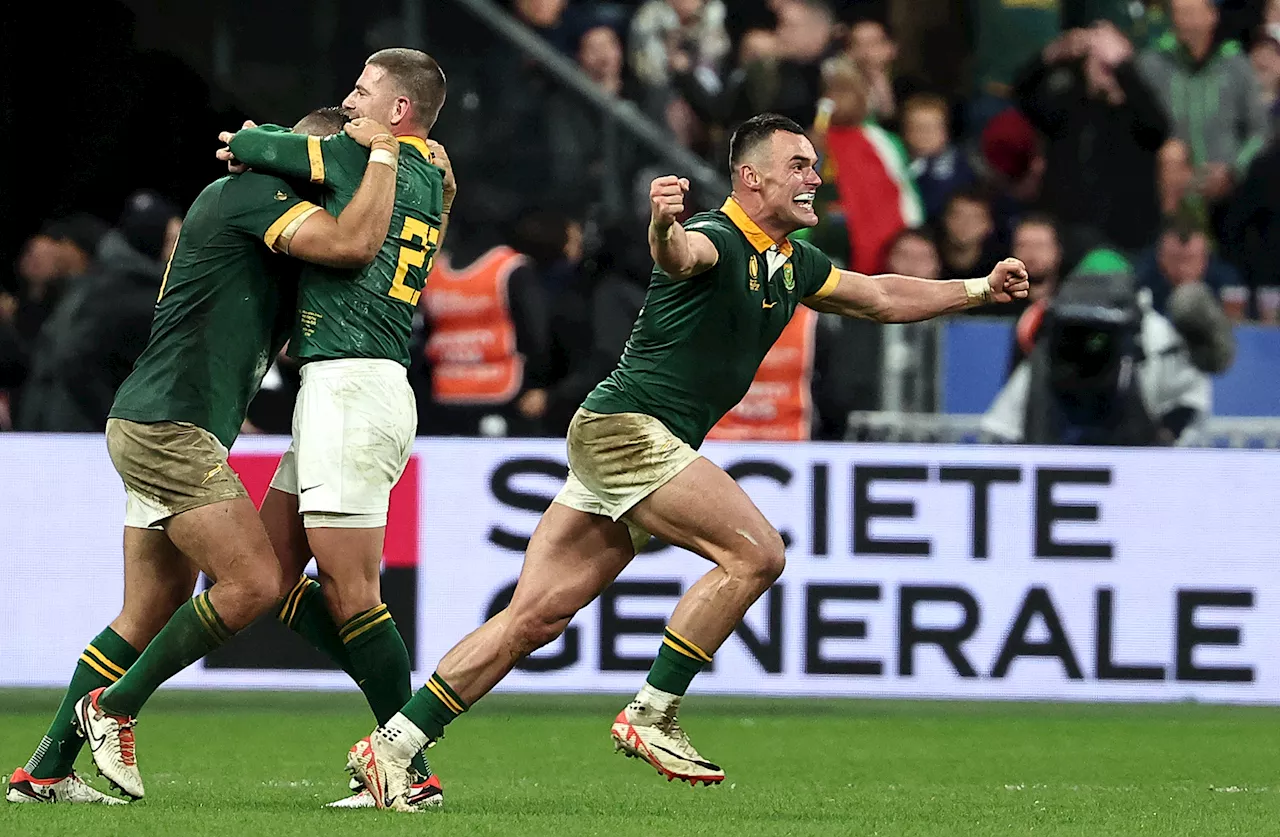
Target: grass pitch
x,y
244,764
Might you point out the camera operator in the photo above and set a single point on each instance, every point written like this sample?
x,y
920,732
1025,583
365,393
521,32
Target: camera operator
x,y
1104,370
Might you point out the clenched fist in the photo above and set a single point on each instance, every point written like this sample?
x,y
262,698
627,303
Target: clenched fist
x,y
1009,281
666,200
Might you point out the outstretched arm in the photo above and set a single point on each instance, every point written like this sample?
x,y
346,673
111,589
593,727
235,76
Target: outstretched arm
x,y
891,298
680,254
278,150
355,236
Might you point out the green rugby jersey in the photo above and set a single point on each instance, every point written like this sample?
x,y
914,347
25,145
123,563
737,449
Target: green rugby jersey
x,y
364,313
224,309
697,344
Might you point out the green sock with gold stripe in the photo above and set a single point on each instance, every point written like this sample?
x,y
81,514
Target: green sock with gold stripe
x,y
102,663
193,631
678,662
433,707
305,612
380,665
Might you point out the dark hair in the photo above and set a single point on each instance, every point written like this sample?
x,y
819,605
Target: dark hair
x,y
922,233
322,122
971,195
750,134
927,101
420,79
1040,219
83,230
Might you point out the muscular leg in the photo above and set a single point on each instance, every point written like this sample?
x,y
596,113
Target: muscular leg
x,y
225,540
303,609
157,580
704,511
571,558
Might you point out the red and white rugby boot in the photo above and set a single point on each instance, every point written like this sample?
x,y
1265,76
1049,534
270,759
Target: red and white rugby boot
x,y
70,789
652,732
110,739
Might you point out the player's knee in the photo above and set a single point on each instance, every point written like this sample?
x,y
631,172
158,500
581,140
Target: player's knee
x,y
767,557
249,593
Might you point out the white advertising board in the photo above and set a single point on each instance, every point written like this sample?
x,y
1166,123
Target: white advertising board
x,y
922,571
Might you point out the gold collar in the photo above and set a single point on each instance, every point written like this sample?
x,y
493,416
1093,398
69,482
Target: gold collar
x,y
759,238
419,144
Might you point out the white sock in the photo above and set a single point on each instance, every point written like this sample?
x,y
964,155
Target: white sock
x,y
402,736
656,699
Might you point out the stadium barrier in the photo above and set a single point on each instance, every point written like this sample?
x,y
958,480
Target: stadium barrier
x,y
934,571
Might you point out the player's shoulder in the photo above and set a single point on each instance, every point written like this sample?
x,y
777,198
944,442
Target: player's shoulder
x,y
718,227
253,187
713,220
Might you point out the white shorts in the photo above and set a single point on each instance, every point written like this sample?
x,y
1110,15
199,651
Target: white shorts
x,y
353,430
616,461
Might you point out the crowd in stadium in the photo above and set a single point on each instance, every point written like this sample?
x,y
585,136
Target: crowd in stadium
x,y
1045,131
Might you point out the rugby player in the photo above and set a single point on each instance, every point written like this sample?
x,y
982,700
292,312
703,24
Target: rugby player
x,y
223,311
723,287
356,416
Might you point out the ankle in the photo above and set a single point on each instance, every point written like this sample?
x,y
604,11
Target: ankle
x,y
656,699
403,736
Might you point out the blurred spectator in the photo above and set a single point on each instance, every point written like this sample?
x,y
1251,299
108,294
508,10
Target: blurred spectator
x,y
675,37
937,166
966,243
1265,58
88,346
547,19
869,165
680,46
1211,93
913,253
1103,128
1037,244
1185,280
1176,185
874,50
578,163
785,74
481,342
1006,34
53,258
1252,227
1010,165
1104,371
1143,22
591,319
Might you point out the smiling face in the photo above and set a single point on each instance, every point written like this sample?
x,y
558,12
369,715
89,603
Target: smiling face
x,y
780,170
376,96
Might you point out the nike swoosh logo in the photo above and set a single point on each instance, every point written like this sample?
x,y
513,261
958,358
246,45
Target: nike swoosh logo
x,y
767,305
311,488
708,765
94,743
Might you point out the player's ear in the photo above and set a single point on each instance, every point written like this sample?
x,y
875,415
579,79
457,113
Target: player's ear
x,y
749,176
400,111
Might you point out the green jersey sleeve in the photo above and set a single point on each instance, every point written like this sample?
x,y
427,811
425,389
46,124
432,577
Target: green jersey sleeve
x,y
265,207
321,160
818,276
722,234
